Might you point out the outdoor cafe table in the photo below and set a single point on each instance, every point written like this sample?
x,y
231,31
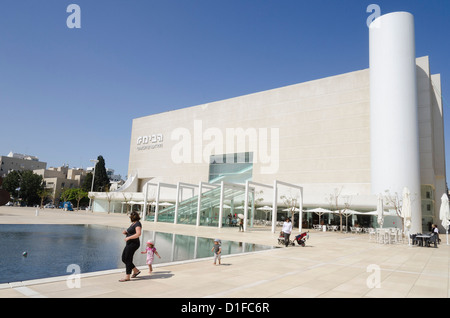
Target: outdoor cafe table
x,y
333,228
422,238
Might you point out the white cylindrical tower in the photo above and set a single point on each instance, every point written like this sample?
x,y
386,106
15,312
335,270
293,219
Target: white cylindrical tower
x,y
395,159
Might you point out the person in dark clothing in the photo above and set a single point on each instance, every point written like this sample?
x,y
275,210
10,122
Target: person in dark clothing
x,y
435,231
132,235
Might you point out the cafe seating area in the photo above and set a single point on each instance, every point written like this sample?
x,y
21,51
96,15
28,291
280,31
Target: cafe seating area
x,y
335,228
386,235
425,240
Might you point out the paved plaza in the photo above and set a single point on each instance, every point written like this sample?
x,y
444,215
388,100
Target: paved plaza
x,y
332,265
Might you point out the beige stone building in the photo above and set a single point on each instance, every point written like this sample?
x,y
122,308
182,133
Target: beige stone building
x,y
57,179
308,142
315,135
19,162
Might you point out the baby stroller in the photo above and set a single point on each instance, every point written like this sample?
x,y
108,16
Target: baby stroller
x,y
281,240
300,239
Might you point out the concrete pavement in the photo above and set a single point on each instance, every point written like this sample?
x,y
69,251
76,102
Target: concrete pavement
x,y
331,265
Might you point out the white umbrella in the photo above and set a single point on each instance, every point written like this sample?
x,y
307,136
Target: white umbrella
x,y
444,213
347,213
165,204
406,209
290,209
380,218
136,202
319,211
265,208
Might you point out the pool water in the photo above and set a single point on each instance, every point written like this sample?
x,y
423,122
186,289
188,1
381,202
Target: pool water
x,y
50,249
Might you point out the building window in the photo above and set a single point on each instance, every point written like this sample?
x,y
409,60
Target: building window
x,y
234,168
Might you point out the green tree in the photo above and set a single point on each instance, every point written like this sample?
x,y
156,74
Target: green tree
x,y
74,195
66,194
79,194
101,179
11,183
24,185
87,183
44,194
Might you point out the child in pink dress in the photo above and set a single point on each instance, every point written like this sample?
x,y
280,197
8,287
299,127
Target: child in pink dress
x,y
150,251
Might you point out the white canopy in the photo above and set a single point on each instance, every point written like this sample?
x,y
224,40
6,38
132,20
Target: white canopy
x,y
444,213
406,207
266,208
319,210
290,209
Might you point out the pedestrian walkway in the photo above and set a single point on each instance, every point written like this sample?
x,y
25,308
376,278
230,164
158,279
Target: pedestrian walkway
x,y
331,265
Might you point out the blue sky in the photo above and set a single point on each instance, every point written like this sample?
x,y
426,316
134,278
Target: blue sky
x,y
69,95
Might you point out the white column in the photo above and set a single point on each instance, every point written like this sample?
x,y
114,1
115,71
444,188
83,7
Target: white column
x,y
221,203
158,191
394,140
274,206
144,210
199,203
177,201
246,206
300,216
253,209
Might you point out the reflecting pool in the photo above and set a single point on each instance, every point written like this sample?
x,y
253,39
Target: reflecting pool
x,y
50,249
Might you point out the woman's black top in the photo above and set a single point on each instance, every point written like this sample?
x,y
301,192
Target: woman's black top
x,y
132,230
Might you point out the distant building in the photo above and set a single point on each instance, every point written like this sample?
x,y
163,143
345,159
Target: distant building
x,y
19,162
57,179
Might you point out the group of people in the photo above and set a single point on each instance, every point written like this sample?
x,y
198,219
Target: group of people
x,y
132,244
132,235
234,221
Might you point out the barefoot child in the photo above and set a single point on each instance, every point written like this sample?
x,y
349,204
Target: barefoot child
x,y
217,250
150,251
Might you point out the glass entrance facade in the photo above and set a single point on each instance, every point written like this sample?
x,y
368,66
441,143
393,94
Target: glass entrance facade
x,y
234,168
232,197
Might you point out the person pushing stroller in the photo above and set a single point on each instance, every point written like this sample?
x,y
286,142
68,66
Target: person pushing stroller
x,y
287,230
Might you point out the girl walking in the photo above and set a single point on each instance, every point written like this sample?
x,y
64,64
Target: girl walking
x,y
217,249
150,251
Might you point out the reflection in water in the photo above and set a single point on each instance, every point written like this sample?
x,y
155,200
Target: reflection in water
x,y
51,248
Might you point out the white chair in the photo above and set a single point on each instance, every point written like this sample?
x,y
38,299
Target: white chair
x,y
382,236
399,236
372,234
393,236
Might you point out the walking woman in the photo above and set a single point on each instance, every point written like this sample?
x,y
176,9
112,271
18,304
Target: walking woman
x,y
132,235
287,229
